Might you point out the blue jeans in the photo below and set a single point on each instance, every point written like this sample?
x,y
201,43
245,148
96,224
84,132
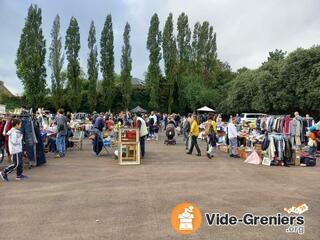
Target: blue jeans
x,y
233,146
312,151
61,144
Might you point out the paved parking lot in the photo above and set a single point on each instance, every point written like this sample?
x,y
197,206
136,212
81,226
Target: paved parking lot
x,y
88,197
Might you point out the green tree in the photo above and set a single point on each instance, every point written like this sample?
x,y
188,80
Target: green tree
x,y
170,59
72,47
107,62
126,66
184,58
154,72
204,53
30,59
92,68
196,53
297,79
56,60
210,59
183,42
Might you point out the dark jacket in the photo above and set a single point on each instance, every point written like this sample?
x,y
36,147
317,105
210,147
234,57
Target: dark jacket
x,y
62,125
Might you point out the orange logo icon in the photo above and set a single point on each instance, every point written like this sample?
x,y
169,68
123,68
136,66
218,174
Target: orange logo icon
x,y
186,218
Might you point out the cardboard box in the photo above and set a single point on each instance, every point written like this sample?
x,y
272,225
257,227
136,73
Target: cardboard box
x,y
223,148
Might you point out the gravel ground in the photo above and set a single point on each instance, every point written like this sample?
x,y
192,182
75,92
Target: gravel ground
x,y
87,197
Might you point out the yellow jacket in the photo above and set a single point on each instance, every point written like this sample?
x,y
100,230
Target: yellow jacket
x,y
194,129
214,125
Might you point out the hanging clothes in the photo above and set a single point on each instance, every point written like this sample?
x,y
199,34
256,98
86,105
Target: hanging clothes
x,y
295,129
279,149
28,137
39,146
286,129
263,124
271,150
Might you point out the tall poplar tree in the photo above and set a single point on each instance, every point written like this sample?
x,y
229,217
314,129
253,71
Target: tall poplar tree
x,y
56,60
154,72
30,59
183,41
72,47
204,52
107,62
126,66
92,68
184,57
170,59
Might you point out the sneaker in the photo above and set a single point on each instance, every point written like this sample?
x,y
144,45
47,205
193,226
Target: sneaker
x,y
231,155
57,156
209,156
21,177
188,153
198,154
4,177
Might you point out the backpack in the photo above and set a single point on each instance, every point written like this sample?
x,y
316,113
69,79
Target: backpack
x,y
151,121
207,127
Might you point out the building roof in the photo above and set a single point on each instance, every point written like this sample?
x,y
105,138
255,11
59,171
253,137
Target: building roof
x,y
5,90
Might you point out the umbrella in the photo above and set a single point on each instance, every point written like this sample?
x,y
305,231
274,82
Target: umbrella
x,y
205,109
138,109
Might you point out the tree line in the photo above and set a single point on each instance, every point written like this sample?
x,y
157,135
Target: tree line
x,y
71,88
192,76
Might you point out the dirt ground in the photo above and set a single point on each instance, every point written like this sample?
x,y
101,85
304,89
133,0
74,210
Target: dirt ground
x,y
87,197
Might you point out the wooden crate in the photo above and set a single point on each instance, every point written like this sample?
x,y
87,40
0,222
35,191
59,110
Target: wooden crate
x,y
131,146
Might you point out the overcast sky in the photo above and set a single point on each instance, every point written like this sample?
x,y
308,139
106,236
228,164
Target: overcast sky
x,y
246,29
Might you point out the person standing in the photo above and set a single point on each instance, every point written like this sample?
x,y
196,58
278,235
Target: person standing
x,y
194,133
99,122
143,132
233,138
187,129
152,125
62,125
212,143
211,132
15,149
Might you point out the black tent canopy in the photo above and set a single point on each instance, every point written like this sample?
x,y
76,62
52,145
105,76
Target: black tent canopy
x,y
138,109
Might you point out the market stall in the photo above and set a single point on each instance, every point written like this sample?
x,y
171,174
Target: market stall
x,y
276,140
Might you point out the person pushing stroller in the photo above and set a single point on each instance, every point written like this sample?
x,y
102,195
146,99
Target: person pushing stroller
x,y
170,132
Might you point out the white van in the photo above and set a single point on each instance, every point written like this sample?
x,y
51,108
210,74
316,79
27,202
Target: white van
x,y
251,117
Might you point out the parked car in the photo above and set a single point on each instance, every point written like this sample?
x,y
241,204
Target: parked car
x,y
251,117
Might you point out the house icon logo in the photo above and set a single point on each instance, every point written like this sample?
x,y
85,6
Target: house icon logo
x,y
186,218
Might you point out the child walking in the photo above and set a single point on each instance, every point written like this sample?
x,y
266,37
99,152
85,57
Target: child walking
x,y
212,143
15,149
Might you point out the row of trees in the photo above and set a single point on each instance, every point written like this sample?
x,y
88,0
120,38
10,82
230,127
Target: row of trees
x,y
190,61
71,87
193,74
282,84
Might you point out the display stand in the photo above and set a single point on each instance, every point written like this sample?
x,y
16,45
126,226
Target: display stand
x,y
128,146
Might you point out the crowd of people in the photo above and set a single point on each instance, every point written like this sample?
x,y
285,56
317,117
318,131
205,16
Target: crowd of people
x,y
149,125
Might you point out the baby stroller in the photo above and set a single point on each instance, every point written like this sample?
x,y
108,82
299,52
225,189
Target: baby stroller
x,y
170,133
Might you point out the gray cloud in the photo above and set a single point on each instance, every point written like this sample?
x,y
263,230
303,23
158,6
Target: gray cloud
x,y
246,30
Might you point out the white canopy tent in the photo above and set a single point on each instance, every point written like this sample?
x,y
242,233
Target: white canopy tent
x,y
205,109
